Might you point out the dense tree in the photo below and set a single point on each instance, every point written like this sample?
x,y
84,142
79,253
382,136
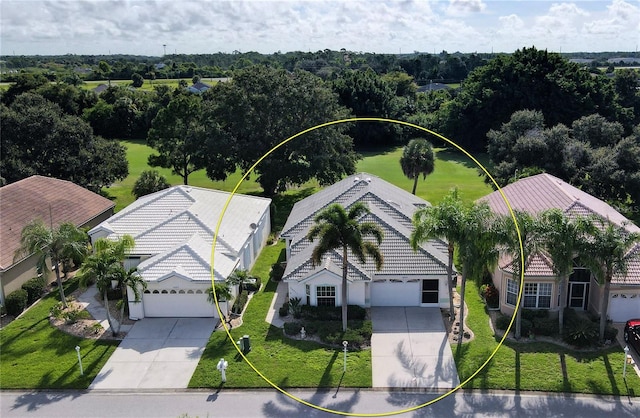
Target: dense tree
x,y
38,138
337,228
260,108
417,158
527,79
150,181
178,135
24,83
56,244
369,95
442,221
137,80
604,253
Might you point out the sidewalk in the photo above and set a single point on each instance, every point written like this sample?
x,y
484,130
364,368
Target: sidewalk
x,y
273,317
97,311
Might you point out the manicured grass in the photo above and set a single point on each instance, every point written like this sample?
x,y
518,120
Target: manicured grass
x,y
137,154
35,355
538,366
452,169
285,362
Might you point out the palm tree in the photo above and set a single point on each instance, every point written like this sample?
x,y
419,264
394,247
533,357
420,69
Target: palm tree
x,y
239,278
337,228
604,252
530,235
561,238
417,158
444,221
58,244
222,294
128,279
105,265
477,249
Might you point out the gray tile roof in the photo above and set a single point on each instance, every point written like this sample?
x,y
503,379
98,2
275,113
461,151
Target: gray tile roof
x,y
390,207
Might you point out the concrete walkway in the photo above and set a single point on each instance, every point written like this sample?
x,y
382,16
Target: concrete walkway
x,y
97,310
273,316
409,349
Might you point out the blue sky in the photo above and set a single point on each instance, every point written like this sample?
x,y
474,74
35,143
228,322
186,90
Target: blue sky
x,y
142,27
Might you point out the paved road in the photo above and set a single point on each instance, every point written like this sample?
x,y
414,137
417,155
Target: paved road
x,y
269,403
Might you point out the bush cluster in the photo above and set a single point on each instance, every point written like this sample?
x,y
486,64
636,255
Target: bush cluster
x,y
332,313
34,287
16,302
490,295
253,287
239,303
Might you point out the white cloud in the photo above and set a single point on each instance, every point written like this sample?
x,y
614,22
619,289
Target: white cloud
x,y
464,7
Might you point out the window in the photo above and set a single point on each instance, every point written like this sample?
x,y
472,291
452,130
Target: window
x,y
430,291
512,292
537,295
326,295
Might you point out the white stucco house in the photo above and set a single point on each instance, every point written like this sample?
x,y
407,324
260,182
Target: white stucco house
x,y
407,277
543,191
173,231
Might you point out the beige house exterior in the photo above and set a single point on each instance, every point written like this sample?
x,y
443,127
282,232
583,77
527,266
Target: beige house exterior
x,y
52,200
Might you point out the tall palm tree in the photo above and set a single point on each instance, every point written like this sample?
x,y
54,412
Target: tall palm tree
x,y
561,238
444,221
105,265
57,244
239,277
417,158
530,234
337,228
604,252
477,249
222,294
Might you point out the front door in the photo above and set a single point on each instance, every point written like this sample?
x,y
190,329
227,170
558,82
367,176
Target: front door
x,y
578,295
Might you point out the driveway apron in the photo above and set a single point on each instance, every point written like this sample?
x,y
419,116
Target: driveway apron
x,y
409,349
158,353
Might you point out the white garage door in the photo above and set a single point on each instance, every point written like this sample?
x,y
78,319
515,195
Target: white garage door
x,y
180,305
394,293
624,306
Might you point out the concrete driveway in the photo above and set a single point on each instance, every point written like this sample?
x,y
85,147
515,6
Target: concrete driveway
x,y
409,349
158,353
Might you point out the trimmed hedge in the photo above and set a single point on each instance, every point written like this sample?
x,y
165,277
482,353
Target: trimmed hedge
x,y
34,287
16,302
332,313
239,303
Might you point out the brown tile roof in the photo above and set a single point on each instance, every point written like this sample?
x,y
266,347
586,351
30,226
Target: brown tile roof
x,y
539,265
632,277
37,197
543,191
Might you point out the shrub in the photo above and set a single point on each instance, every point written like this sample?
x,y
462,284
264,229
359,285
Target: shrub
x,y
16,302
277,270
35,288
502,322
526,326
490,294
531,314
580,333
292,328
610,333
332,313
545,326
295,308
150,181
253,287
239,303
284,310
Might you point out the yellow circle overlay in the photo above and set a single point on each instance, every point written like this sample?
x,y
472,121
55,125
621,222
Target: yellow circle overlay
x,y
383,120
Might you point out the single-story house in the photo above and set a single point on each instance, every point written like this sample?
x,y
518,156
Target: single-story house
x,y
199,87
407,277
173,231
541,192
52,200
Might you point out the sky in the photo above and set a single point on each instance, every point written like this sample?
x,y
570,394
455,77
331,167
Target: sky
x,y
146,27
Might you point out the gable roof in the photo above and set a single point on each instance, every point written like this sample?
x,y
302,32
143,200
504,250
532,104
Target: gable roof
x,y
390,207
161,220
543,191
53,200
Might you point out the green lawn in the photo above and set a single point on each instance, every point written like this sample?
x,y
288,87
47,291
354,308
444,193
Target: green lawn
x,y
285,362
538,366
35,355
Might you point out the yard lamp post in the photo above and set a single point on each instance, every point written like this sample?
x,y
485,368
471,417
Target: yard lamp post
x,y
222,366
624,368
344,368
79,359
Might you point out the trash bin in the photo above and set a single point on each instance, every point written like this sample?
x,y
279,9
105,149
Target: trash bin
x,y
246,344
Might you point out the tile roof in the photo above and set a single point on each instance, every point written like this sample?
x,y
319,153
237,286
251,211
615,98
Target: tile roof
x,y
632,278
539,265
390,207
543,191
176,227
46,198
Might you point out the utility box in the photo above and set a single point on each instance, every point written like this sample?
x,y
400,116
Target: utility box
x,y
245,346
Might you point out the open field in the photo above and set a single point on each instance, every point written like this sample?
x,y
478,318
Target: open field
x,y
452,170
